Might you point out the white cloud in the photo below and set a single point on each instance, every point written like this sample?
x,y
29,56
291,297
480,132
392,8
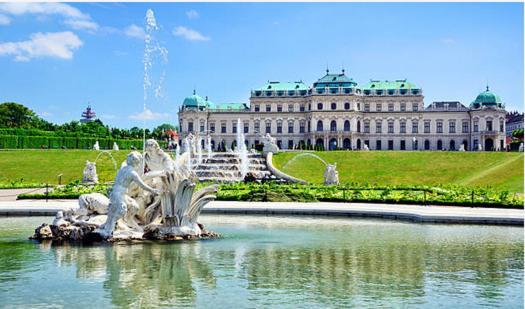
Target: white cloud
x,y
189,34
79,24
134,31
45,114
73,16
192,14
147,114
51,44
4,20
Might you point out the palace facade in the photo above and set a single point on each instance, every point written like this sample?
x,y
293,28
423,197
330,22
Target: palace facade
x,y
336,113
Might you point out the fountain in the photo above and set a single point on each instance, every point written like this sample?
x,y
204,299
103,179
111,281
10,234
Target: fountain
x,y
160,204
208,146
242,151
331,176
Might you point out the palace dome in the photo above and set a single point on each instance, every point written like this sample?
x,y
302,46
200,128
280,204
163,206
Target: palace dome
x,y
196,101
486,98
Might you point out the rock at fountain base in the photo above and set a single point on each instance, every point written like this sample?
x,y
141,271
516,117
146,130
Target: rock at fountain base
x,y
88,234
160,232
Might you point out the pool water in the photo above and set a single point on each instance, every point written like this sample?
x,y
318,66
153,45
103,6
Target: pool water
x,y
272,261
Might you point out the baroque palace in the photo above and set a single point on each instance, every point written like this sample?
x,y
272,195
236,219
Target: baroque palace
x,y
336,113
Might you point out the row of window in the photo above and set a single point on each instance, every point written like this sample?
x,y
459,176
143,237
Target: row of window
x,y
346,126
347,106
334,90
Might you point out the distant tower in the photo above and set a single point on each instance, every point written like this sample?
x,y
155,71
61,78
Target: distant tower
x,y
88,115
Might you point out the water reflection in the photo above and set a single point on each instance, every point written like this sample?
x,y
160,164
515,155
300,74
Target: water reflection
x,y
263,262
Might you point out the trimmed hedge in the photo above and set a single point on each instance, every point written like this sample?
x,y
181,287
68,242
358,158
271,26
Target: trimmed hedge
x,y
57,142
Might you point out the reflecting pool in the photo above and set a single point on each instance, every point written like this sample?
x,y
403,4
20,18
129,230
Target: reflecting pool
x,y
272,262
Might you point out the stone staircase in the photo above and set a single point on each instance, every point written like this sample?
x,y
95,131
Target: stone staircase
x,y
225,167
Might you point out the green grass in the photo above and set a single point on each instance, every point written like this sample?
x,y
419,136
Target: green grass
x,y
43,166
503,171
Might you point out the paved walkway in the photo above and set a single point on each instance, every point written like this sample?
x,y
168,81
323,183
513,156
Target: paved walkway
x,y
11,194
435,214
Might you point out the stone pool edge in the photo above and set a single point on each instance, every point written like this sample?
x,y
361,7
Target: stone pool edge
x,y
412,213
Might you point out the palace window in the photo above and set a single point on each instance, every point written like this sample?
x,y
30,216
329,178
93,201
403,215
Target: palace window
x,y
464,127
333,106
212,127
319,106
246,127
415,107
190,126
347,106
301,107
279,127
309,106
452,126
390,145
333,126
402,145
415,126
391,126
358,106
279,108
366,126
347,126
379,124
489,125
390,107
290,144
378,145
403,107
301,127
320,126
476,126
427,126
501,125
290,126
290,107
268,108
439,126
402,126
378,107
256,107
256,127
201,129
223,127
309,127
367,107
234,127
268,127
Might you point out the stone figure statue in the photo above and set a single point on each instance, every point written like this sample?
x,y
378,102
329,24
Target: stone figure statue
x,y
269,144
92,203
96,146
461,147
120,203
365,147
521,147
89,175
331,175
480,148
115,146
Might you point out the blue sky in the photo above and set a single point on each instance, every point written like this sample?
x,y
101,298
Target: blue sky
x,y
55,58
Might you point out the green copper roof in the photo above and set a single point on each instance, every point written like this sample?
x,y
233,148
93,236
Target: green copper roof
x,y
284,86
233,106
389,85
335,80
487,98
196,101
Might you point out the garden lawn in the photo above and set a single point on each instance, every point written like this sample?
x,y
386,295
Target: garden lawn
x,y
501,170
44,166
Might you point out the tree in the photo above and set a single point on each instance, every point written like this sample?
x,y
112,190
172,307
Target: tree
x,y
14,115
518,133
159,131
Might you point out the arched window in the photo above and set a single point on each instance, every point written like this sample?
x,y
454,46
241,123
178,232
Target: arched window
x,y
347,144
347,106
427,144
452,145
319,106
319,126
333,126
347,126
439,145
333,106
358,126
